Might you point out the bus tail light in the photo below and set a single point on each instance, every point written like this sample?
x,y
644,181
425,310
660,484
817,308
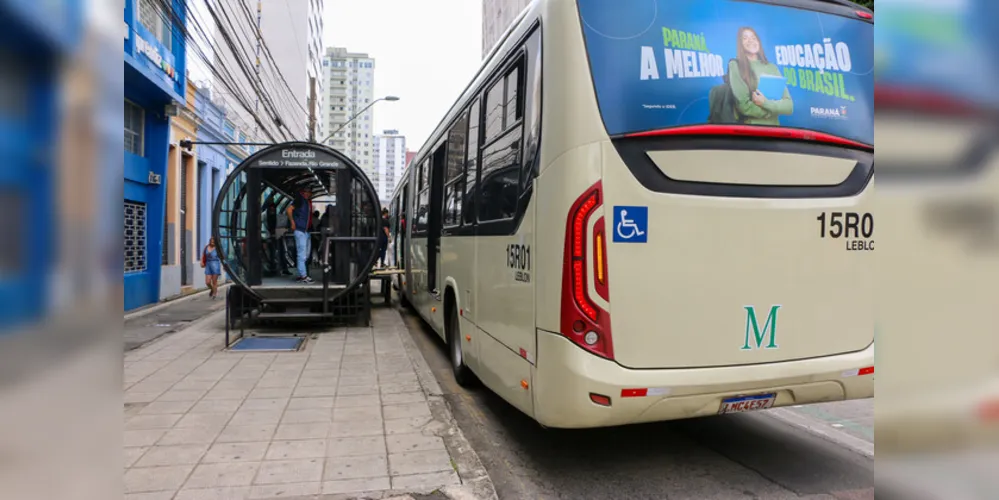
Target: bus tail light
x,y
583,322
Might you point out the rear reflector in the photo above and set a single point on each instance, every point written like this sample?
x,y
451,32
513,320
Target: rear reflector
x,y
634,393
864,15
859,372
600,399
989,411
753,131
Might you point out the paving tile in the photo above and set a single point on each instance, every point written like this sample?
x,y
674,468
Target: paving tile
x,y
357,390
355,380
149,479
227,394
217,406
188,384
306,416
317,382
247,433
146,422
426,481
305,392
357,401
270,393
256,417
158,495
315,430
402,443
144,437
187,454
356,485
298,449
403,397
166,407
310,403
218,420
355,467
356,446
182,395
406,425
290,471
222,475
406,410
265,404
132,454
225,493
191,435
236,384
357,414
401,387
419,462
298,490
272,382
356,428
235,452
313,373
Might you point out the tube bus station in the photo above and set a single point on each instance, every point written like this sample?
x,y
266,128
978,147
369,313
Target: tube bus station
x,y
258,249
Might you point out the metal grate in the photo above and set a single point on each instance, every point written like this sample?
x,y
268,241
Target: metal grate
x,y
135,237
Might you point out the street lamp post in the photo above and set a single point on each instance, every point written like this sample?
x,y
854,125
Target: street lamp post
x,y
359,113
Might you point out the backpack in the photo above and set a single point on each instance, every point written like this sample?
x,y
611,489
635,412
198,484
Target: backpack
x,y
721,101
282,220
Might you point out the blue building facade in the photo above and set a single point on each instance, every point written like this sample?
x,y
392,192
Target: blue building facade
x,y
155,82
211,161
34,39
214,161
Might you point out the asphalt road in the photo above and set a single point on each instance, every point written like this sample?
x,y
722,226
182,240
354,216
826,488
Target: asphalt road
x,y
730,457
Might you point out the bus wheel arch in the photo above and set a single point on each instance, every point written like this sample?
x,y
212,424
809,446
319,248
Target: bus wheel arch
x,y
452,329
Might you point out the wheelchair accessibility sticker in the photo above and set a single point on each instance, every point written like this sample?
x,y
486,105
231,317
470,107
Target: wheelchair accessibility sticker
x,y
631,224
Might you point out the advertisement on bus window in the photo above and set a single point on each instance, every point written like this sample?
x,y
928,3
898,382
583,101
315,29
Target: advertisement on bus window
x,y
668,63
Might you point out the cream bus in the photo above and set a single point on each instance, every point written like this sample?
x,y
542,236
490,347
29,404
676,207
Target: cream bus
x,y
647,210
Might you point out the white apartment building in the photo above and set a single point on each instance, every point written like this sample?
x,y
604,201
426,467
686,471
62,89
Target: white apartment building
x,y
497,16
390,163
350,87
292,30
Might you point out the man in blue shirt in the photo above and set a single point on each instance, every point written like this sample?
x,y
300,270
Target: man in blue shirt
x,y
300,217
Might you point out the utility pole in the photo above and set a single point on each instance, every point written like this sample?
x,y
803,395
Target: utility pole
x,y
256,104
312,109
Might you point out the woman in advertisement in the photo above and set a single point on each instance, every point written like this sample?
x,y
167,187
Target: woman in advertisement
x,y
744,77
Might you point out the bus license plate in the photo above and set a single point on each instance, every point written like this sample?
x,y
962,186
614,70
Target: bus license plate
x,y
747,403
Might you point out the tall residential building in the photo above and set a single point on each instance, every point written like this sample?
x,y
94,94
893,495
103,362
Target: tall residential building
x,y
390,163
350,87
497,16
292,30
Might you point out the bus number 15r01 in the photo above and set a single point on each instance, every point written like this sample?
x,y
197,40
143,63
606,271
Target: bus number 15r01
x,y
858,229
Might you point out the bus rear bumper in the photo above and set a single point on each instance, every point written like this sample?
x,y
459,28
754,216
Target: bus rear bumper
x,y
565,377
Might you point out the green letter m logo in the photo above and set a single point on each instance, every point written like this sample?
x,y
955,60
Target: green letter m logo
x,y
760,335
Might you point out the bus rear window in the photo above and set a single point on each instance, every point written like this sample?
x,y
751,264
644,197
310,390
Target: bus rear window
x,y
659,64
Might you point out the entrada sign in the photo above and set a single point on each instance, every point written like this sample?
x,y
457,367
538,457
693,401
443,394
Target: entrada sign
x,y
760,336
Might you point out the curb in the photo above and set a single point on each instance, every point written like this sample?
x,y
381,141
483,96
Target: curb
x,y
824,431
169,302
475,481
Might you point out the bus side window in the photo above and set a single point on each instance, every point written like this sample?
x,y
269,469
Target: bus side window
x,y
472,163
455,177
501,156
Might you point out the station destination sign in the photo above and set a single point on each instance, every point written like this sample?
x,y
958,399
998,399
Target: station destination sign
x,y
299,155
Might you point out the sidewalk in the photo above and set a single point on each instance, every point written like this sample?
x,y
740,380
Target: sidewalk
x,y
167,317
355,414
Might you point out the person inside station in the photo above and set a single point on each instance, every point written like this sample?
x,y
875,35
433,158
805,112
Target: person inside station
x,y
384,235
300,216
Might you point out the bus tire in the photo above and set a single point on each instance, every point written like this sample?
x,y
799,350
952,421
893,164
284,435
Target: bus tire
x,y
462,374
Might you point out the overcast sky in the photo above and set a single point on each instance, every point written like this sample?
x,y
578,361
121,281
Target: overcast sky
x,y
425,52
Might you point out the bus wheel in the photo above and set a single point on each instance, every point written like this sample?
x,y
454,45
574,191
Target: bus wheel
x,y
462,374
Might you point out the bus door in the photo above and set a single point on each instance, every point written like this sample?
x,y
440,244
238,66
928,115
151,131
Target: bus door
x,y
437,163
